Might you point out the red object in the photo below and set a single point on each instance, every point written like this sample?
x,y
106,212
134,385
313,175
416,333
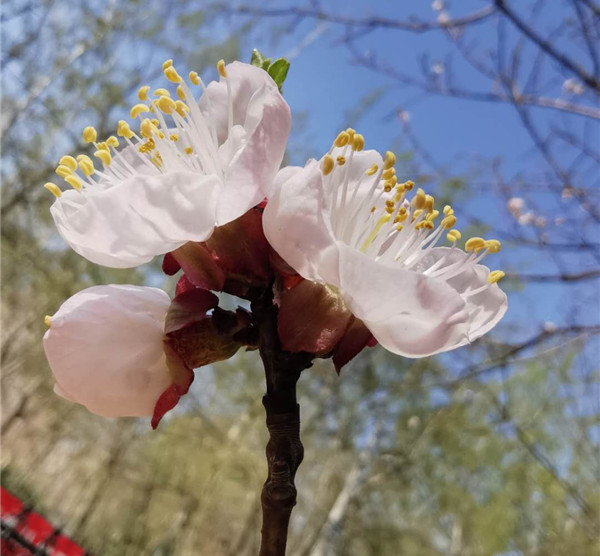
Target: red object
x,y
25,533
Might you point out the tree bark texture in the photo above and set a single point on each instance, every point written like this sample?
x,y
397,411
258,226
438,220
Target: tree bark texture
x,y
284,450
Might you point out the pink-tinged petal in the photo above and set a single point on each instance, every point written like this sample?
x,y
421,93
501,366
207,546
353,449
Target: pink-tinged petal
x,y
486,307
408,313
297,226
252,150
129,223
199,266
189,308
105,348
312,318
355,339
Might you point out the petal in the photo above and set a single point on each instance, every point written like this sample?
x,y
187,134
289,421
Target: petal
x,y
253,157
408,313
105,348
486,307
129,223
298,228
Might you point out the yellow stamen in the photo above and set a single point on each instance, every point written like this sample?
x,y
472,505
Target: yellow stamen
x,y
112,141
68,161
372,170
180,92
103,146
448,210
89,134
166,104
147,129
221,68
433,215
53,188
74,182
181,108
358,142
167,64
123,130
174,137
194,77
189,150
48,320
327,165
162,92
63,171
453,235
104,156
387,174
475,244
86,164
419,199
493,245
449,221
143,92
408,185
495,276
341,160
137,110
342,139
416,214
390,160
429,202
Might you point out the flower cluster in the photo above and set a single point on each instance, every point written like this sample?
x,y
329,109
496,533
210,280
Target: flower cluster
x,y
352,255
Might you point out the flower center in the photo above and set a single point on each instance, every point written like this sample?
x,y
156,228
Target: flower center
x,y
372,212
174,135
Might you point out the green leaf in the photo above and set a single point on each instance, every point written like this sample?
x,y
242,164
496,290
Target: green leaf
x,y
278,71
257,58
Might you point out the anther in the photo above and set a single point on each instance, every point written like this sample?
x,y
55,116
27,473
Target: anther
x,y
143,92
86,164
68,161
174,137
341,160
172,75
74,181
89,134
495,276
63,171
104,156
475,244
160,92
493,245
53,188
419,199
390,160
388,173
112,141
372,170
448,221
123,130
189,150
181,108
327,165
166,104
221,68
167,64
429,202
48,320
453,235
137,110
194,77
180,92
358,142
342,139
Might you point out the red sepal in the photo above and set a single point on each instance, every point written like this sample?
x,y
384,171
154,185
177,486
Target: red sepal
x,y
312,318
170,266
189,308
199,266
356,338
183,285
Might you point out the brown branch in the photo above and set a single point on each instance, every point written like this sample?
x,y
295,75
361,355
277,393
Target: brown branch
x,y
368,22
547,47
284,449
574,277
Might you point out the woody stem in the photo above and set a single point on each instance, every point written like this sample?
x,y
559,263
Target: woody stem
x,y
284,449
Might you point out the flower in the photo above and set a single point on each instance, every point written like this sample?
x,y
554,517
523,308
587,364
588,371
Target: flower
x,y
192,166
345,222
105,348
